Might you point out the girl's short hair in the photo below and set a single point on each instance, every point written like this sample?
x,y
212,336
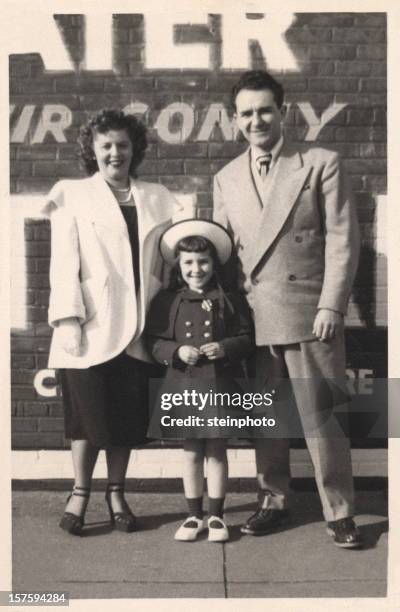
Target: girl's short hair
x,y
195,244
104,121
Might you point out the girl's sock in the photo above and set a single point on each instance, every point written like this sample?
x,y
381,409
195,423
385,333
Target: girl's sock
x,y
216,506
195,505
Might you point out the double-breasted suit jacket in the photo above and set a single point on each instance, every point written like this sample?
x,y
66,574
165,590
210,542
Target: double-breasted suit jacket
x,y
297,241
91,271
298,244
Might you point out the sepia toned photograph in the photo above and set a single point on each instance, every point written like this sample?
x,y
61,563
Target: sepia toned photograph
x,y
198,305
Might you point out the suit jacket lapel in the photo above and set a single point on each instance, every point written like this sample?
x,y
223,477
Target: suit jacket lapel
x,y
246,202
289,178
150,213
104,207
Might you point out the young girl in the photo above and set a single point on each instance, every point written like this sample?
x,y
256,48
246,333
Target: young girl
x,y
201,334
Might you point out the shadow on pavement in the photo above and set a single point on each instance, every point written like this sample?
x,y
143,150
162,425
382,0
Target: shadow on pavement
x,y
96,529
372,532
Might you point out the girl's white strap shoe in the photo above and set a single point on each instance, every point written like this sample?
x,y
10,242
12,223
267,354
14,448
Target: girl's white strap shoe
x,y
217,530
190,529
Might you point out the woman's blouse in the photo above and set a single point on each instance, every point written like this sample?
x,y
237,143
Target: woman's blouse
x,y
131,219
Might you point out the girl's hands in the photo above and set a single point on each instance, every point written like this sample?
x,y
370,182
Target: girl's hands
x,y
70,336
213,350
188,354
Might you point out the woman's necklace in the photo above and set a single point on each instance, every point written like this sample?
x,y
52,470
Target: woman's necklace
x,y
123,196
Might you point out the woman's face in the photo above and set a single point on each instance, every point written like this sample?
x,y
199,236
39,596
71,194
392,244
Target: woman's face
x,y
196,269
113,151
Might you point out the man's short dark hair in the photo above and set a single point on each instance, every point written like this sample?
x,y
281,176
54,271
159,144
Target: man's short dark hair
x,y
256,80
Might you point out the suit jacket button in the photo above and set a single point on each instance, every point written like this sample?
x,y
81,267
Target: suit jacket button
x,y
292,277
298,239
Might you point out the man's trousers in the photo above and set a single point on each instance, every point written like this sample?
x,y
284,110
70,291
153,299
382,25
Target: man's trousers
x,y
309,365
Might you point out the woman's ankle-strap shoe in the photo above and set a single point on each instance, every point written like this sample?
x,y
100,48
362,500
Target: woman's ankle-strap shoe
x,y
124,520
73,523
217,530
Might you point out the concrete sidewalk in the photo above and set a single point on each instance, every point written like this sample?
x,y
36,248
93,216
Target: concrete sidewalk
x,y
300,561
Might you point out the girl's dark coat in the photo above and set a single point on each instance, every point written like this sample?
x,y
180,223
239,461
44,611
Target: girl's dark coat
x,y
180,318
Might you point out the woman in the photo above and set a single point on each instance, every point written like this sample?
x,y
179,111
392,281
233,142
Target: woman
x,y
104,270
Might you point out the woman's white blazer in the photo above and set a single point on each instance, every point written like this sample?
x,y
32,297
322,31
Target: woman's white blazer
x,y
91,271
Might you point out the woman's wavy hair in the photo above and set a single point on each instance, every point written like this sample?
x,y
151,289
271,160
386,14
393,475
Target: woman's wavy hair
x,y
104,121
195,244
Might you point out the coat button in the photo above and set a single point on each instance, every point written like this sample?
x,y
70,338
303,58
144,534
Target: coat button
x,y
292,277
188,334
298,239
207,323
188,323
254,281
206,335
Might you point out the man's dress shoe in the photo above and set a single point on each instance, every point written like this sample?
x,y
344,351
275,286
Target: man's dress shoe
x,y
345,533
265,521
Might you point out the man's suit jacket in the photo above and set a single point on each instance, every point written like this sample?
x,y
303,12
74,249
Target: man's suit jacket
x,y
91,271
298,248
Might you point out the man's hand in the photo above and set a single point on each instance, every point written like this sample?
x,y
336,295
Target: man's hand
x,y
188,354
213,350
326,324
71,335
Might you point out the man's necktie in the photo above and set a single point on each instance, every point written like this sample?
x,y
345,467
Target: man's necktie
x,y
263,163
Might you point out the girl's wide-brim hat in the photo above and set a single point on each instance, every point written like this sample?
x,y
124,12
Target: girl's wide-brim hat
x,y
214,232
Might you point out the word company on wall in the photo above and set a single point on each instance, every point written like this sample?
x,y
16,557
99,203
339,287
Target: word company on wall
x,y
33,123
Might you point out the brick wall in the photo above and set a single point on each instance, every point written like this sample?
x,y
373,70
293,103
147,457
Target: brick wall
x,y
336,97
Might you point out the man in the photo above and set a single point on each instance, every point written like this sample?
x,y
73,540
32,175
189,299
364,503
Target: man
x,y
296,234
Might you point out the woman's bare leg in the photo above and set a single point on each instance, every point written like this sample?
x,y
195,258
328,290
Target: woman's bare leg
x,y
84,457
117,465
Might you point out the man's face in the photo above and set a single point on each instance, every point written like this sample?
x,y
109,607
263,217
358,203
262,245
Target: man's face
x,y
258,117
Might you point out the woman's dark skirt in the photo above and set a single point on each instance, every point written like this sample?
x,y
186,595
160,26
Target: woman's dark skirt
x,y
107,404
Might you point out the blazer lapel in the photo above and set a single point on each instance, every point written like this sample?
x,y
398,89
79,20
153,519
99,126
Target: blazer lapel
x,y
246,202
105,210
104,207
289,178
150,213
